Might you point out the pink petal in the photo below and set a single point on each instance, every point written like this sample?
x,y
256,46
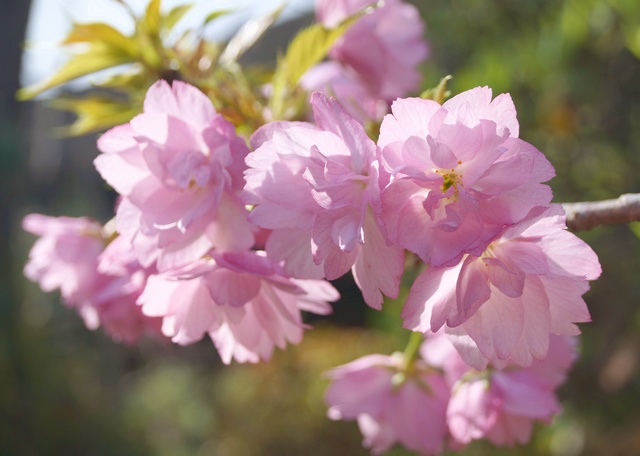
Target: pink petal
x,y
373,276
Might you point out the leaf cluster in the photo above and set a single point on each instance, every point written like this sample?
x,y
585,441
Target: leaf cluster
x,y
128,65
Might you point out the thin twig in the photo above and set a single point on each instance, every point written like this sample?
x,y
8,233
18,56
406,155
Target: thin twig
x,y
591,214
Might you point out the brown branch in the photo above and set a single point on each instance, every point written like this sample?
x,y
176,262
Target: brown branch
x,y
591,214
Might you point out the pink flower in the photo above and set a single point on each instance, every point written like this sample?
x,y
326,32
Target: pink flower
x,y
64,256
384,46
178,166
502,406
460,174
67,256
240,299
347,87
410,411
121,281
503,305
379,55
318,189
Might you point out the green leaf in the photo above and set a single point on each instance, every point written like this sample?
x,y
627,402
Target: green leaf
x,y
438,93
102,33
98,57
95,113
635,227
247,36
151,20
632,38
309,47
126,82
107,48
215,15
174,15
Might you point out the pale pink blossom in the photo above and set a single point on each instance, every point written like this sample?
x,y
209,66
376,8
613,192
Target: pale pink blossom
x,y
376,60
503,305
67,257
178,166
317,187
460,174
346,86
391,405
502,406
385,46
64,256
240,299
121,281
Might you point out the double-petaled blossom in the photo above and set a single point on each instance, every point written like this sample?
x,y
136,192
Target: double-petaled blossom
x,y
240,299
392,405
459,174
500,406
318,188
502,305
376,60
178,167
69,256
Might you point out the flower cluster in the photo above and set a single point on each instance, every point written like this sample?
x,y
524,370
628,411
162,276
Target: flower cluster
x,y
102,285
438,402
234,238
454,185
451,183
181,218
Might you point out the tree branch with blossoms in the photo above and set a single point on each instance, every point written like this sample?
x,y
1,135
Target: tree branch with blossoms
x,y
239,201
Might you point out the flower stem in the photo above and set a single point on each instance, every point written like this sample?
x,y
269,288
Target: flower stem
x,y
412,350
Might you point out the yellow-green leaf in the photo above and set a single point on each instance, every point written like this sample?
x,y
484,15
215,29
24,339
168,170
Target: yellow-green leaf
x,y
103,33
98,57
174,15
632,38
438,93
127,82
635,227
215,15
152,18
309,47
95,113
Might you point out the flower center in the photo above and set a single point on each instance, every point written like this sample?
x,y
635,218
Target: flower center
x,y
450,178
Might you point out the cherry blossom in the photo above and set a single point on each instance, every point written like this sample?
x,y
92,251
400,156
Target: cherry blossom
x,y
460,174
376,60
504,304
241,300
318,188
178,166
391,405
500,405
67,256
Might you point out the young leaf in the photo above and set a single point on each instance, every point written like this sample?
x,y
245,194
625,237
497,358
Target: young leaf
x,y
215,15
107,48
439,93
99,32
95,113
151,20
309,47
98,57
174,15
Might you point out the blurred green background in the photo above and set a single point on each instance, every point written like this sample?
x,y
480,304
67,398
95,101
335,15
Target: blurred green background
x,y
573,70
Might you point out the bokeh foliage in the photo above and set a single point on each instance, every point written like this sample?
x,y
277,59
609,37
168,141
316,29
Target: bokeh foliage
x,y
573,70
